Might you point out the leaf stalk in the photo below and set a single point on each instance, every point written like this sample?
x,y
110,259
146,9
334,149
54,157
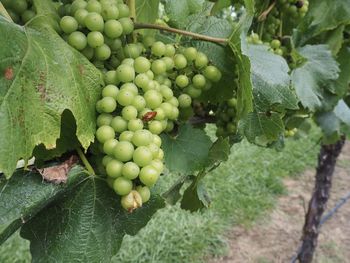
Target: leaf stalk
x,y
85,162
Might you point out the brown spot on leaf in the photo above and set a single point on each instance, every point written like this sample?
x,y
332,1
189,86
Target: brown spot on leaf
x,y
8,74
59,173
81,69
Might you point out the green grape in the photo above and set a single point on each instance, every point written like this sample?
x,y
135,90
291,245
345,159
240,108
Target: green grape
x,y
126,136
111,77
155,127
142,156
190,53
110,91
130,87
119,124
114,168
94,6
27,15
142,138
142,65
129,113
184,101
95,39
125,73
144,192
19,6
131,201
104,119
124,10
158,66
107,104
182,81
127,24
212,73
80,16
180,61
149,175
275,43
158,164
104,133
135,125
199,81
113,29
128,61
158,49
78,5
131,51
160,114
109,145
157,140
201,60
130,170
139,103
103,52
148,41
169,50
160,155
77,40
106,159
123,151
109,11
88,52
153,99
122,186
154,149
94,22
169,63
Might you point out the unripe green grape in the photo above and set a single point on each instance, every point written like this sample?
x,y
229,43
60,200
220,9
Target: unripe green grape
x,y
122,186
123,151
164,124
94,6
131,201
139,103
142,65
275,43
212,73
232,102
148,41
169,63
108,104
77,40
185,101
142,138
150,74
158,164
110,91
27,15
174,113
168,83
149,175
142,80
80,16
151,85
160,114
95,39
125,73
104,133
113,29
160,155
109,145
78,5
130,170
13,16
180,61
142,156
279,52
158,66
169,127
167,108
114,168
88,52
169,50
126,136
135,125
19,6
94,22
131,51
119,124
198,81
104,119
109,11
157,140
173,101
190,53
155,127
201,60
129,113
144,192
193,92
127,24
154,149
153,99
106,159
68,24
124,10
158,49
111,77
103,52
182,81
128,61
130,87
231,128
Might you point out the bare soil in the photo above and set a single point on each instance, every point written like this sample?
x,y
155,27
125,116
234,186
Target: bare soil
x,y
276,237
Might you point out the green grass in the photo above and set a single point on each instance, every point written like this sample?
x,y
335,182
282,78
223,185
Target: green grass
x,y
241,190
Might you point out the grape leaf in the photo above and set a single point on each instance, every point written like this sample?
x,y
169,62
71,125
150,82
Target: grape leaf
x,y
25,194
219,151
147,10
35,89
313,80
179,11
342,111
323,15
219,5
88,226
195,197
271,82
340,87
238,44
188,151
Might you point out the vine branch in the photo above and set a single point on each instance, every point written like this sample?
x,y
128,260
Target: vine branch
x,y
85,162
181,32
264,14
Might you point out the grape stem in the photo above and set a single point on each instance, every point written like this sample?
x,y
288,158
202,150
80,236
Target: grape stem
x,y
181,32
264,14
85,162
3,12
202,120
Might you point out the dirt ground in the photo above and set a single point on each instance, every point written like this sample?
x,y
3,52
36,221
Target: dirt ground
x,y
275,238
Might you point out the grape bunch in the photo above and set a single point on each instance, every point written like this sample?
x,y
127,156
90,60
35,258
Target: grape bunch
x,y
273,46
148,85
294,8
226,121
21,11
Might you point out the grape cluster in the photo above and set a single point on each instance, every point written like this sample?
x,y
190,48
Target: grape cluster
x,y
148,85
226,118
21,11
294,8
273,46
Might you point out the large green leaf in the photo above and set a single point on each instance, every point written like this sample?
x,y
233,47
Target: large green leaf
x,y
88,226
179,11
43,77
26,194
313,81
188,151
147,10
323,15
